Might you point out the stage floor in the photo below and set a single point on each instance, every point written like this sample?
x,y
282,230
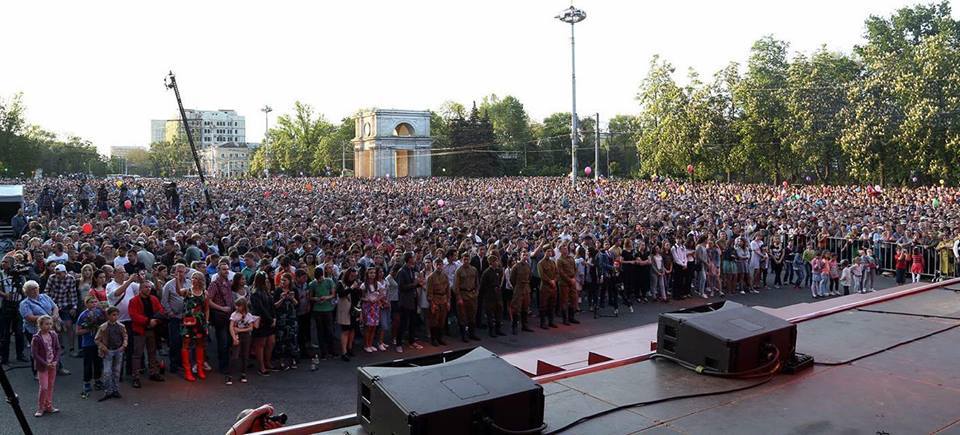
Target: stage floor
x,y
885,368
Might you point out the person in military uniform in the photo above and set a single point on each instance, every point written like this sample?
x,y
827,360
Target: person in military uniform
x,y
567,285
548,288
490,283
520,304
438,294
465,292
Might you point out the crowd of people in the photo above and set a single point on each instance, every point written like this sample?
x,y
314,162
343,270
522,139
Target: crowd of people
x,y
288,271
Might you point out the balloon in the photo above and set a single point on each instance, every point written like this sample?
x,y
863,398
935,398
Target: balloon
x,y
689,169
587,170
785,184
119,183
877,188
914,179
266,194
87,228
127,204
440,202
941,181
807,178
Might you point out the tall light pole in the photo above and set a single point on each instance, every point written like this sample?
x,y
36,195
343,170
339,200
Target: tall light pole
x,y
266,129
573,16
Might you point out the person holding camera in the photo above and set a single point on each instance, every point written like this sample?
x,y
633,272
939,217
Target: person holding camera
x,y
145,313
10,321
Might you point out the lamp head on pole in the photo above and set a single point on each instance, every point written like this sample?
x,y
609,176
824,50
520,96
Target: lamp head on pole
x,y
266,109
572,15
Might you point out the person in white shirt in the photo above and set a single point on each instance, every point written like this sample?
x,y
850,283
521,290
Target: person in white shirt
x,y
120,292
681,274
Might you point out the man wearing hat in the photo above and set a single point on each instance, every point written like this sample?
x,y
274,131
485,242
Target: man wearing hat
x,y
438,294
548,287
62,288
465,292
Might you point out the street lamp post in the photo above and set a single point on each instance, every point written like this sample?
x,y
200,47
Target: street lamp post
x,y
573,16
266,129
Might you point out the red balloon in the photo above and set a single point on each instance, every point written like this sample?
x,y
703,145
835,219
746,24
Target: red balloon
x,y
127,204
266,194
785,184
87,228
689,169
587,170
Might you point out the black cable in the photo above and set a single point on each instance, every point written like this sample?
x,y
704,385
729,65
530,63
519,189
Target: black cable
x,y
939,331
655,401
489,421
703,370
746,374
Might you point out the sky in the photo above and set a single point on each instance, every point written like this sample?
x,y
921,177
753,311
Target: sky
x,y
96,69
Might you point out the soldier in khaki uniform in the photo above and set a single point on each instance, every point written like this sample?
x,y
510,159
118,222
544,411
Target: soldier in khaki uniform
x,y
465,292
520,279
438,294
490,292
567,285
548,288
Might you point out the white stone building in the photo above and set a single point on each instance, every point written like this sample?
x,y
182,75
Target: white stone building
x,y
209,127
227,160
392,143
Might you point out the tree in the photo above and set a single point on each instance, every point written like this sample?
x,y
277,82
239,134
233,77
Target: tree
x,y
511,128
620,147
295,141
760,96
666,134
815,96
172,158
335,150
474,145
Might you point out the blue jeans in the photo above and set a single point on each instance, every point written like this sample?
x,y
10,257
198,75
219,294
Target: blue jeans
x,y
175,341
800,273
112,365
816,286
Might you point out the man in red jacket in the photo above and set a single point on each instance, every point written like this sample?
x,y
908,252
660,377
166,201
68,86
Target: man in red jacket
x,y
145,310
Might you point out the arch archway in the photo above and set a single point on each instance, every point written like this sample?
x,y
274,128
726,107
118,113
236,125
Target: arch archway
x,y
403,129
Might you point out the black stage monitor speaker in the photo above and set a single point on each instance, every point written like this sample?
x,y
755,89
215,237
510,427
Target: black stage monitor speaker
x,y
457,392
725,337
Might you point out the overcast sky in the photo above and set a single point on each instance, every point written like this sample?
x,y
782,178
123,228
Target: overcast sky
x,y
96,69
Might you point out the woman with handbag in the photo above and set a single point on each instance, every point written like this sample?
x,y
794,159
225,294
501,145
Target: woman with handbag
x,y
193,327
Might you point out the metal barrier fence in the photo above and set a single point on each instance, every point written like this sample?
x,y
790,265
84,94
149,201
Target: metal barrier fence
x,y
884,253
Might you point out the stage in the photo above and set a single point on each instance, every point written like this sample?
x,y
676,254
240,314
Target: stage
x,y
886,364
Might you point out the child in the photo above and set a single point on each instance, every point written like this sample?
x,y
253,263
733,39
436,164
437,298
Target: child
x,y
856,276
241,324
45,348
88,322
917,267
845,277
111,342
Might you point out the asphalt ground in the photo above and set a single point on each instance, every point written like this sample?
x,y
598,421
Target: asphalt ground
x,y
210,406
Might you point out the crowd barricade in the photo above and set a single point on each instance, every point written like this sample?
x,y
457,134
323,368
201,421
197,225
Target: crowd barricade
x,y
884,252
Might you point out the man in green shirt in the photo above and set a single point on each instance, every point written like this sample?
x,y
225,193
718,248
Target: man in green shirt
x,y
249,268
321,293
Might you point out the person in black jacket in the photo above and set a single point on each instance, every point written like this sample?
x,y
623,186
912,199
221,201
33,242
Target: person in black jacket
x,y
408,282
